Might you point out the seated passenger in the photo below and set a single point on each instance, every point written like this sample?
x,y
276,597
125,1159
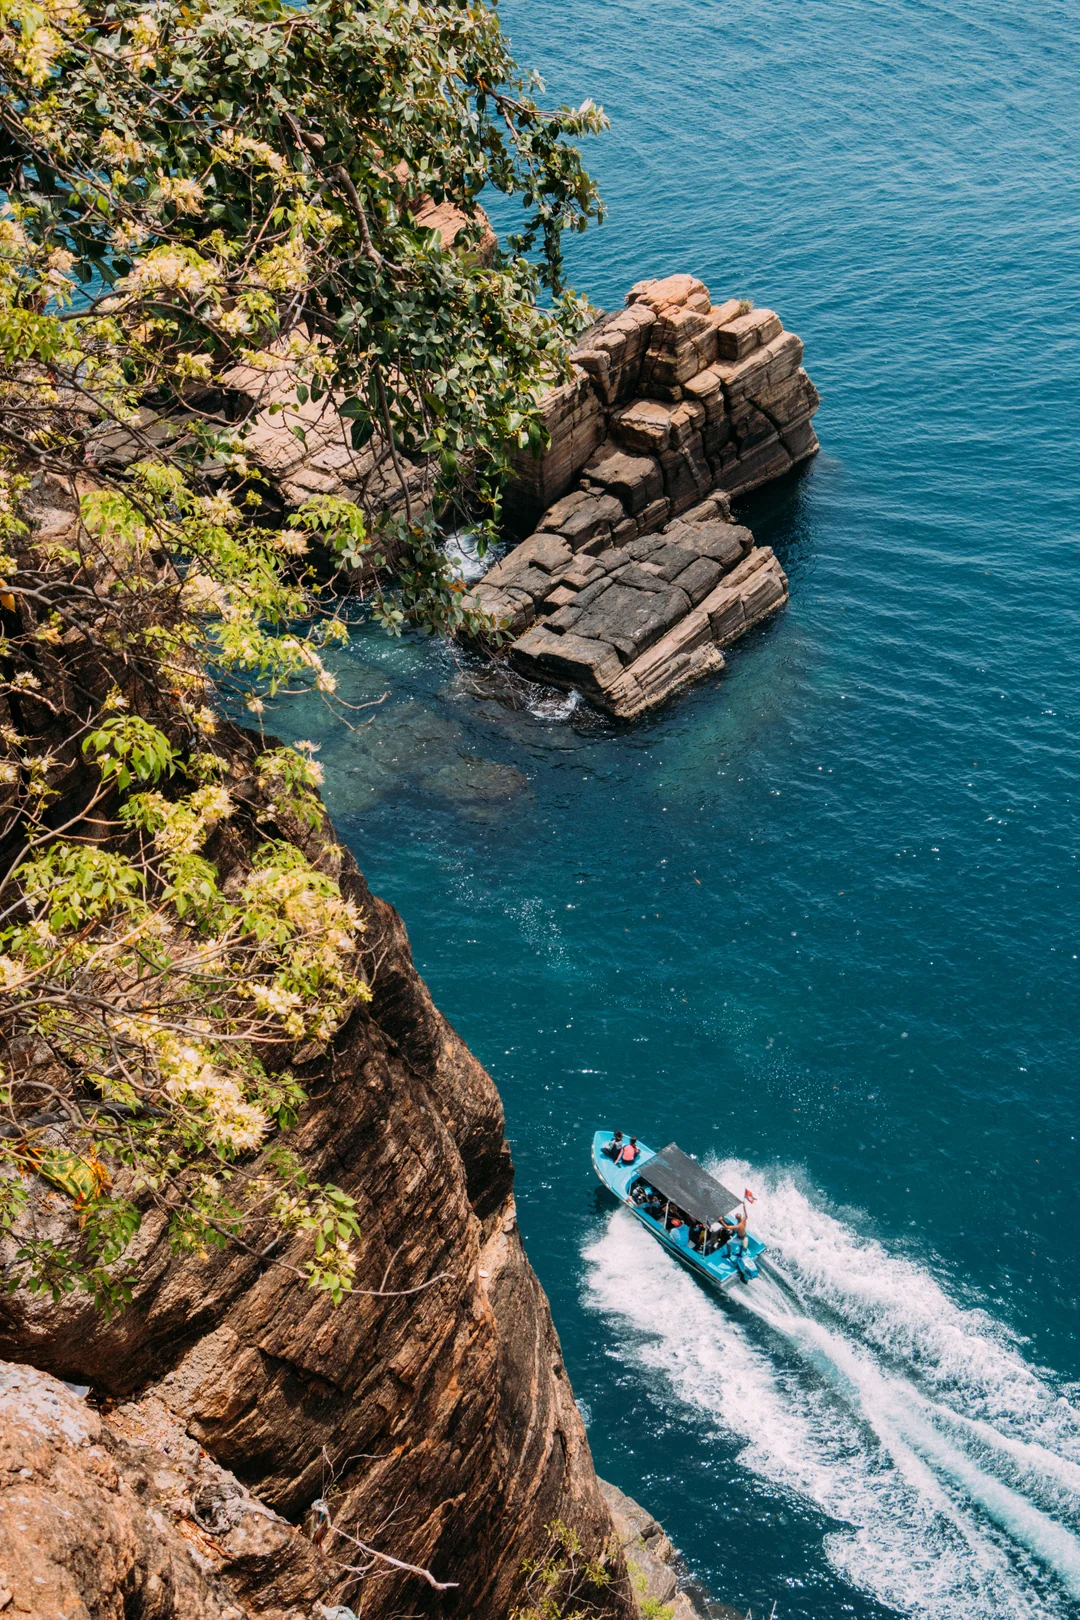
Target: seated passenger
x,y
613,1149
631,1151
639,1193
675,1219
697,1236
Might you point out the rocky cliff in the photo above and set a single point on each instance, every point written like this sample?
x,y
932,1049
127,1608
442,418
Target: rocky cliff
x,y
429,1411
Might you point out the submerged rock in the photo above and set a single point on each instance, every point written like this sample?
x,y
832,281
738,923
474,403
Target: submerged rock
x,y
635,579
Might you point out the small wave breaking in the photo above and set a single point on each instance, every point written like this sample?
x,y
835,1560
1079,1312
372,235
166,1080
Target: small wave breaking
x,y
851,1380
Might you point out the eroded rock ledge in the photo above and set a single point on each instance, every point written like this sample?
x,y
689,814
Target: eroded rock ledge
x,y
635,577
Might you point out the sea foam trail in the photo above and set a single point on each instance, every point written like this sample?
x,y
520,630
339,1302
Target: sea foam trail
x,y
854,1382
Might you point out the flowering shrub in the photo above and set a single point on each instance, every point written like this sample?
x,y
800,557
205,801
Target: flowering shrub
x,y
191,192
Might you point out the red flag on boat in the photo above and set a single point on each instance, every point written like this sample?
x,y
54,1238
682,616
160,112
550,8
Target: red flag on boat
x,y
748,1195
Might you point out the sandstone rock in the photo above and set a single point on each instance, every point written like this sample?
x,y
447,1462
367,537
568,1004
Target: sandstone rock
x,y
790,400
582,571
612,351
567,660
129,1516
626,613
750,426
800,441
519,575
739,336
485,598
451,222
717,504
715,438
643,425
722,314
702,576
655,515
558,598
687,474
682,343
762,369
547,551
699,402
706,390
757,465
653,1562
574,419
725,543
581,517
671,290
635,481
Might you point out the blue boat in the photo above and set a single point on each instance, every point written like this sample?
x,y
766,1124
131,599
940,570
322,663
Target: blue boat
x,y
682,1185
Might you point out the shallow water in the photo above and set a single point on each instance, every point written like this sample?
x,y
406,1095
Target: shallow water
x,y
819,917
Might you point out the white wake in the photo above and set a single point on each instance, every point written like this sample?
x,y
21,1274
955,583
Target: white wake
x,y
855,1382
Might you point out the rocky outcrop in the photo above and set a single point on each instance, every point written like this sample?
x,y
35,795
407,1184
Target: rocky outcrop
x,y
635,577
658,1575
430,1409
127,1515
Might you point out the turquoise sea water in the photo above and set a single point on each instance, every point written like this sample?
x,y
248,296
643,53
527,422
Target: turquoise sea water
x,y
818,918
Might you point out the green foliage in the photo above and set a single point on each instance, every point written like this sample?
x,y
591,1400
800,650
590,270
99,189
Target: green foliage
x,y
212,223
339,523
231,182
169,1090
126,747
563,1583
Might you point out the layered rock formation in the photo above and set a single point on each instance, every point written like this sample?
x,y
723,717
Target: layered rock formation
x,y
635,576
430,1409
130,1516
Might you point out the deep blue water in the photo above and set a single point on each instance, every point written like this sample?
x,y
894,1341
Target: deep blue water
x,y
819,917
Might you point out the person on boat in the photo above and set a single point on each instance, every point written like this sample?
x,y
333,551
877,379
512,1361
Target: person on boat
x,y
631,1152
641,1193
697,1236
613,1149
655,1205
675,1219
740,1232
719,1234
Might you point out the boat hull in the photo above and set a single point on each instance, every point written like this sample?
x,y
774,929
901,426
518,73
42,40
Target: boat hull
x,y
723,1268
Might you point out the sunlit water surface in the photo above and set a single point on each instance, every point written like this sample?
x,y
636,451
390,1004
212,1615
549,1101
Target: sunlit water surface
x,y
817,920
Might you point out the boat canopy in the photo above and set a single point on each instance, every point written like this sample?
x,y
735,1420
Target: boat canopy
x,y
681,1179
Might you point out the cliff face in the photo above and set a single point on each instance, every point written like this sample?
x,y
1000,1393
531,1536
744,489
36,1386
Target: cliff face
x,y
439,1423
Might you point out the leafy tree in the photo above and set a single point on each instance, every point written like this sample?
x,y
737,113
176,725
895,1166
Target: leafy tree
x,y
213,204
233,186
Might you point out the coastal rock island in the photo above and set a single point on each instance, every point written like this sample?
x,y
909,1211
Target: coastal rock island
x,y
635,576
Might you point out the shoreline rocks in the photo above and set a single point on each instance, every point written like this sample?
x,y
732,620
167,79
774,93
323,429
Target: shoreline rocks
x,y
635,576
658,1574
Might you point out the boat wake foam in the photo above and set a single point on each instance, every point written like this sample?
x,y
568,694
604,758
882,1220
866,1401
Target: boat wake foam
x,y
853,1381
